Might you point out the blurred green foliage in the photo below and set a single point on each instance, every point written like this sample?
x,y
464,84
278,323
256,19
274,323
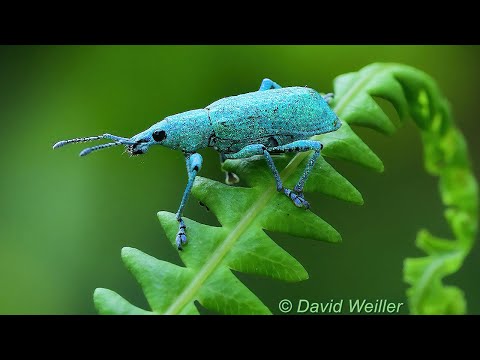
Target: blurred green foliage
x,y
63,220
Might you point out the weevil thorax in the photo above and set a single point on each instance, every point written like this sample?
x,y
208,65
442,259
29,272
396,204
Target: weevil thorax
x,y
187,131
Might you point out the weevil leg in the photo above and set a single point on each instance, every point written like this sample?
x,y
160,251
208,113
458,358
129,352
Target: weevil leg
x,y
268,84
300,146
194,164
230,177
328,97
260,149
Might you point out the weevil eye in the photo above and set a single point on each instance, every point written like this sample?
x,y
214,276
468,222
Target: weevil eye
x,y
159,135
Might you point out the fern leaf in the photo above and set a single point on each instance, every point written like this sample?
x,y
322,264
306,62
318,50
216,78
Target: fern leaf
x,y
241,244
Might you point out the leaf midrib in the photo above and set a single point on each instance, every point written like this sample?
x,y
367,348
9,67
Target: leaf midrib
x,y
189,293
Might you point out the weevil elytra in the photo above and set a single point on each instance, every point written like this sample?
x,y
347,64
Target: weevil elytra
x,y
268,121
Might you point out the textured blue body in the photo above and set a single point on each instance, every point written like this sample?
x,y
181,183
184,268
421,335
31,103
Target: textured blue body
x,y
270,120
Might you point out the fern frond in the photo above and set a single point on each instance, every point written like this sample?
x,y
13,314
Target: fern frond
x,y
241,244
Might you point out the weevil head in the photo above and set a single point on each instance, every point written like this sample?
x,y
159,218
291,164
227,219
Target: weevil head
x,y
188,132
141,142
160,133
155,135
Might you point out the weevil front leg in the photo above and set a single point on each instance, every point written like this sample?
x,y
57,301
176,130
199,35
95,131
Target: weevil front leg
x,y
194,164
260,149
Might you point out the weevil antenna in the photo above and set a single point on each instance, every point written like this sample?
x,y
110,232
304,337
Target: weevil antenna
x,y
99,147
118,139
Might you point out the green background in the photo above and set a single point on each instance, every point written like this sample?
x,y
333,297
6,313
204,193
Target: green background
x,y
64,219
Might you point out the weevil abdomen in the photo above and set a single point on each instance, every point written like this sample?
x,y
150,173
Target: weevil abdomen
x,y
275,117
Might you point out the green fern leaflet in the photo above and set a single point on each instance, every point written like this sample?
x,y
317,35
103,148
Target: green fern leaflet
x,y
241,244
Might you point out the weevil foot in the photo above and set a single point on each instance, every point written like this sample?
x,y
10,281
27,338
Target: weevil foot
x,y
298,190
181,238
231,178
328,97
297,198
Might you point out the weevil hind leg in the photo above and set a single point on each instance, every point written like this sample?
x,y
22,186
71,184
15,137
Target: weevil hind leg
x,y
230,177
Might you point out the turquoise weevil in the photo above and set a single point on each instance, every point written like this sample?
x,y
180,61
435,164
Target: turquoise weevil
x,y
269,121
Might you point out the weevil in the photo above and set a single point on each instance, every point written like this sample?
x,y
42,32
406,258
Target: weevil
x,y
269,121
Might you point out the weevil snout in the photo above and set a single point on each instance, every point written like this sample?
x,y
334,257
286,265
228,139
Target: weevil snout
x,y
138,148
134,150
140,143
136,145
